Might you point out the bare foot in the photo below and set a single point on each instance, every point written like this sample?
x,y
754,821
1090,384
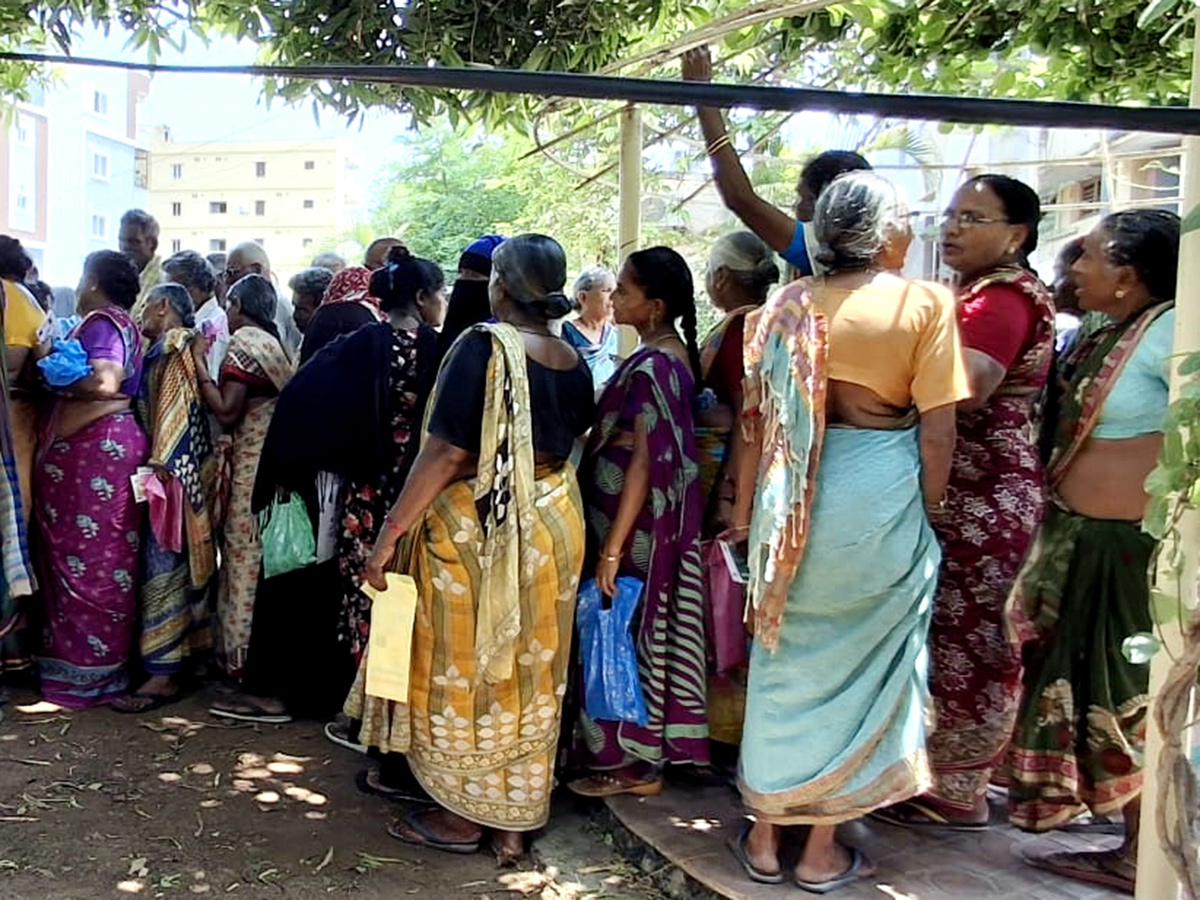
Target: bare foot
x,y
509,847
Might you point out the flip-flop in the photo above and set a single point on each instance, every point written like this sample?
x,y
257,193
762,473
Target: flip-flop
x,y
840,881
250,712
604,785
918,816
400,795
410,821
737,846
1089,867
127,705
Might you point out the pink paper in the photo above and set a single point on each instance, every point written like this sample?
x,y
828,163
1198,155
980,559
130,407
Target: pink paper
x,y
166,512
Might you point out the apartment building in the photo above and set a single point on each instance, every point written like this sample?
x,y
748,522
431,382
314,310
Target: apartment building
x,y
293,197
71,162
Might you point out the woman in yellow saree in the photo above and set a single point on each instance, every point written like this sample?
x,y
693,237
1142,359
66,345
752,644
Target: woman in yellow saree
x,y
493,526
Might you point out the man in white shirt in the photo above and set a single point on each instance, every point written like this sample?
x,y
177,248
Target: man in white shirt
x,y
251,259
191,271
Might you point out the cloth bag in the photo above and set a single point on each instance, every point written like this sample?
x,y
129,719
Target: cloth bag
x,y
725,604
288,541
612,690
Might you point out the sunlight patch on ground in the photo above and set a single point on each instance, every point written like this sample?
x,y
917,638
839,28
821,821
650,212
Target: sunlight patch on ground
x,y
700,824
131,886
41,708
894,894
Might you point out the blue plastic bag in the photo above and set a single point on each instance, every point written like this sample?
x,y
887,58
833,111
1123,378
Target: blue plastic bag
x,y
288,540
611,689
66,363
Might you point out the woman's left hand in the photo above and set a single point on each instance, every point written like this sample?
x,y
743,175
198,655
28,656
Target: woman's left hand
x,y
606,574
373,573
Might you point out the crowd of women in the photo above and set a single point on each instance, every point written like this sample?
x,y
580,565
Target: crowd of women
x,y
940,576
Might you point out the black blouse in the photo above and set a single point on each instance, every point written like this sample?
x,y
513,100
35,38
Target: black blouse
x,y
563,401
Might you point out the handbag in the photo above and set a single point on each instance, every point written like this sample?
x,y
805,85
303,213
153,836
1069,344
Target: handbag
x,y
725,604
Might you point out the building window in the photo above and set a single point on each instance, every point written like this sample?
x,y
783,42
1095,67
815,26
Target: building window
x,y
176,170
308,204
22,200
99,226
100,103
260,169
308,242
216,245
100,165
177,209
260,207
176,245
1089,191
218,207
309,165
22,130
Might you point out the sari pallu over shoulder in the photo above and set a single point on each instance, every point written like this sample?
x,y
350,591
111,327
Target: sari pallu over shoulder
x,y
789,460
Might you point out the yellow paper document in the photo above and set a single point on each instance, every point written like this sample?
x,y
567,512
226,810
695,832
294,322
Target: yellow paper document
x,y
389,648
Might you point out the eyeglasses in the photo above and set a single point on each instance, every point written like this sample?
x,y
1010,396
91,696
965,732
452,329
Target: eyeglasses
x,y
232,275
969,219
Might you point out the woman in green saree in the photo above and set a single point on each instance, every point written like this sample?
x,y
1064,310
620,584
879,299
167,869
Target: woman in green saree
x,y
1085,589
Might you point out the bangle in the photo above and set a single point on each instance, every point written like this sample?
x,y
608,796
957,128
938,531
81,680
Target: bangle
x,y
604,557
719,144
933,508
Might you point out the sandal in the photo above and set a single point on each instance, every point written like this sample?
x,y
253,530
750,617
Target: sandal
x,y
426,837
838,881
917,815
243,710
142,702
372,785
1107,868
737,846
605,785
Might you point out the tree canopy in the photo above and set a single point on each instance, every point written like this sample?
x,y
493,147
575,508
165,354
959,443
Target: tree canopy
x,y
1068,49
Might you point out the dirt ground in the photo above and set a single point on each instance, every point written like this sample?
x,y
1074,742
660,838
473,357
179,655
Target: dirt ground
x,y
175,803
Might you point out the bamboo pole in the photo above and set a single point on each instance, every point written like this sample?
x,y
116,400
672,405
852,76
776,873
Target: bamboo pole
x,y
1156,879
629,230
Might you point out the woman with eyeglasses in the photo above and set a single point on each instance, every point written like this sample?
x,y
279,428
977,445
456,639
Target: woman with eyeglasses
x,y
995,498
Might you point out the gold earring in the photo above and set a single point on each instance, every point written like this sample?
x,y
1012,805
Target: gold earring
x,y
1120,293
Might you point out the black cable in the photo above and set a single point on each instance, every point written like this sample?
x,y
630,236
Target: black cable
x,y
964,110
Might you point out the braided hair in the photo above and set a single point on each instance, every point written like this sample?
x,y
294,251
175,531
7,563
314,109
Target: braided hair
x,y
662,274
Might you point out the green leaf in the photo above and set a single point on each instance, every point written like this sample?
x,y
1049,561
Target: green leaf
x,y
1139,649
1164,608
1155,522
1164,479
1172,452
1155,11
1191,221
1191,362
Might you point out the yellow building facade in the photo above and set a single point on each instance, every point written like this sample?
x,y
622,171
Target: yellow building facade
x,y
293,197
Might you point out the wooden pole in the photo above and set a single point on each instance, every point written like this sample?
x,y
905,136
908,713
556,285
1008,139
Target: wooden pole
x,y
629,229
1156,880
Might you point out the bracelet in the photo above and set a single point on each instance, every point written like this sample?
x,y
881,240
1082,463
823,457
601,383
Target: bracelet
x,y
719,144
607,558
939,507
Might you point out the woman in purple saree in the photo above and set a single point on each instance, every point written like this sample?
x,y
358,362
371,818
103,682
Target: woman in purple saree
x,y
88,521
641,484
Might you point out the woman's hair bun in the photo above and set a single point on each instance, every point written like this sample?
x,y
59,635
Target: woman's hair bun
x,y
398,254
557,305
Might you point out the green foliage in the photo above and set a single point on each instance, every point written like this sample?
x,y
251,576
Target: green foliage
x,y
1174,490
451,188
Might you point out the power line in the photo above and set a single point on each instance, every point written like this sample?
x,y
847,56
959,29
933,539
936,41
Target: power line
x,y
965,110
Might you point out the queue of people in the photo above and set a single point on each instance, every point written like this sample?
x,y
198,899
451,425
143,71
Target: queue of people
x,y
936,506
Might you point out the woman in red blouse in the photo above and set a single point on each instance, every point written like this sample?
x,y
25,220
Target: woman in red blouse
x,y
995,499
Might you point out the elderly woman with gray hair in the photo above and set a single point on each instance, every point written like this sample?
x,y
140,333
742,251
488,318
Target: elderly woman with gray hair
x,y
197,276
593,333
178,557
852,383
255,370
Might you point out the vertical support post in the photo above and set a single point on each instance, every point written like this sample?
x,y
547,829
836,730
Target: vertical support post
x,y
1156,880
629,229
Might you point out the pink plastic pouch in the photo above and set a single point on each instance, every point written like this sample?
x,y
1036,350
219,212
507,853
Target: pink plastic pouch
x,y
725,604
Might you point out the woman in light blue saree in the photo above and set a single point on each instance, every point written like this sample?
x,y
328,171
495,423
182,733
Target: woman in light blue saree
x,y
851,385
